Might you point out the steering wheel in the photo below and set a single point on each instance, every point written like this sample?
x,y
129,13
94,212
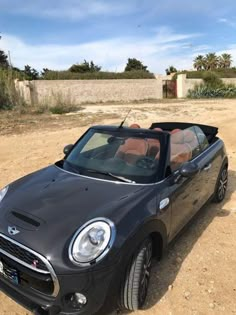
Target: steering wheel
x,y
145,162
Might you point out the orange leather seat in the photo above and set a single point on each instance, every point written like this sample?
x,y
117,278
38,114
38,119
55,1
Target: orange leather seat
x,y
134,126
132,148
182,145
174,131
154,146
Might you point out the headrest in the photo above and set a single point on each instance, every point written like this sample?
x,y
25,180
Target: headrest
x,y
134,126
177,137
174,131
182,136
157,129
189,135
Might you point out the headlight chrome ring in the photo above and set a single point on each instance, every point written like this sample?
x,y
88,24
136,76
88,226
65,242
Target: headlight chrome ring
x,y
92,242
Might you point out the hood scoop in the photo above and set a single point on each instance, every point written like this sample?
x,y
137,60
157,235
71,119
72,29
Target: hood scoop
x,y
24,220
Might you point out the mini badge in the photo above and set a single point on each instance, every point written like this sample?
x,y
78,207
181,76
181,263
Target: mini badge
x,y
12,230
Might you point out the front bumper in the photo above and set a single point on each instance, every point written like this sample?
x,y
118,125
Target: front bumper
x,y
29,278
97,286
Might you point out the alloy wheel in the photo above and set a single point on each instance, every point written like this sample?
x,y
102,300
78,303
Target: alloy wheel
x,y
145,275
223,184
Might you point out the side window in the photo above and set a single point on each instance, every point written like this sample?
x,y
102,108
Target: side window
x,y
202,139
191,139
184,146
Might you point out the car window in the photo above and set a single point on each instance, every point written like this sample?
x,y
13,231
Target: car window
x,y
202,139
96,141
184,146
134,158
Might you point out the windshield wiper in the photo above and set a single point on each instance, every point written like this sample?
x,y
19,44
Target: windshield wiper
x,y
121,178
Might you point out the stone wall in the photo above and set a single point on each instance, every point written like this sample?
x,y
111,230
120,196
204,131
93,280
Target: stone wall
x,y
89,91
184,84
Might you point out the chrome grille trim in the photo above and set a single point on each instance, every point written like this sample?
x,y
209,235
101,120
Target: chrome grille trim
x,y
44,260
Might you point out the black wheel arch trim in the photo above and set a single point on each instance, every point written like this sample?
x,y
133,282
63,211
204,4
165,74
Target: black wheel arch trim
x,y
155,229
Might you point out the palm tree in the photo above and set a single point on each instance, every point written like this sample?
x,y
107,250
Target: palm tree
x,y
225,61
199,62
212,61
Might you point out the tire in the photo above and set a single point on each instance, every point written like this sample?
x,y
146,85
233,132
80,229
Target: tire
x,y
137,278
221,185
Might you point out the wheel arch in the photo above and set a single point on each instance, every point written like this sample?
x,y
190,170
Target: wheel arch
x,y
158,243
156,230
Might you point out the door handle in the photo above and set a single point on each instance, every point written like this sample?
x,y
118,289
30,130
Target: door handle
x,y
207,167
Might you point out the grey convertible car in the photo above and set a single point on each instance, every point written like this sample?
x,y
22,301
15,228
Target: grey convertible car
x,y
78,237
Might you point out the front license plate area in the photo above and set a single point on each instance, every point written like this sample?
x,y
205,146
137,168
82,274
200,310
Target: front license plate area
x,y
8,272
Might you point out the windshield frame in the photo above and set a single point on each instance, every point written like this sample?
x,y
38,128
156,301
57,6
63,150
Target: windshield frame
x,y
163,137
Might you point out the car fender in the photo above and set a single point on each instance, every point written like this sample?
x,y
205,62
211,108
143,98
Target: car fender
x,y
153,228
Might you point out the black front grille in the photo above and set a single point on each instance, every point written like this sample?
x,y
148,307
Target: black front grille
x,y
24,277
22,254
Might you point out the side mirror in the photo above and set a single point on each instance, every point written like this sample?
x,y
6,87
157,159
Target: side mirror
x,y
189,169
68,148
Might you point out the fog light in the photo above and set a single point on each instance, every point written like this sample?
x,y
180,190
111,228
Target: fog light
x,y
81,299
76,301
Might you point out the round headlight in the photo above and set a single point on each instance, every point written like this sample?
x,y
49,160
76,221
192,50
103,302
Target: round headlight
x,y
92,241
3,193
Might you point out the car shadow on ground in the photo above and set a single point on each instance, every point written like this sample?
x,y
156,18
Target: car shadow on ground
x,y
165,271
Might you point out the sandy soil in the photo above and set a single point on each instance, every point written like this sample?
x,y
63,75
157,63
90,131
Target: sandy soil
x,y
198,274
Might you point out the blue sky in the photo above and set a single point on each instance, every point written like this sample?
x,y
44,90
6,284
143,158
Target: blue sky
x,y
57,33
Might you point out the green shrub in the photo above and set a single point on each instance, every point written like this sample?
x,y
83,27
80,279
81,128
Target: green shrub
x,y
60,109
204,91
67,75
9,96
5,102
221,73
212,80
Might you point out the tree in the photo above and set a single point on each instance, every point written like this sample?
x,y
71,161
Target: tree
x,y
85,67
199,63
44,72
170,70
212,61
134,64
3,60
225,61
31,73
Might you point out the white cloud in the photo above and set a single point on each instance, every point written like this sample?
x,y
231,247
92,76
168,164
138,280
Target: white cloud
x,y
229,22
159,51
70,9
202,49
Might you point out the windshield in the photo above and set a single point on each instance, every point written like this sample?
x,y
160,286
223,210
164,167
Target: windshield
x,y
115,155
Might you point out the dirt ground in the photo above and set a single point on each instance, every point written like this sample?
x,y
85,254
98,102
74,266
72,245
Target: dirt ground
x,y
198,274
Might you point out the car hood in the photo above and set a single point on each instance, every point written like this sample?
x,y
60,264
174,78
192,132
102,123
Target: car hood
x,y
48,206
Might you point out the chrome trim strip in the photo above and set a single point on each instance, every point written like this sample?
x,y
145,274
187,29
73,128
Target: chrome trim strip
x,y
45,261
109,246
105,180
23,263
210,147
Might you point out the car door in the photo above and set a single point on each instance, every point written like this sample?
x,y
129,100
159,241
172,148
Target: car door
x,y
184,192
184,195
209,163
188,195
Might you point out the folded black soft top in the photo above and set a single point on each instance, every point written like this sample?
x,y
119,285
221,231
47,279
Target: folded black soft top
x,y
209,131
